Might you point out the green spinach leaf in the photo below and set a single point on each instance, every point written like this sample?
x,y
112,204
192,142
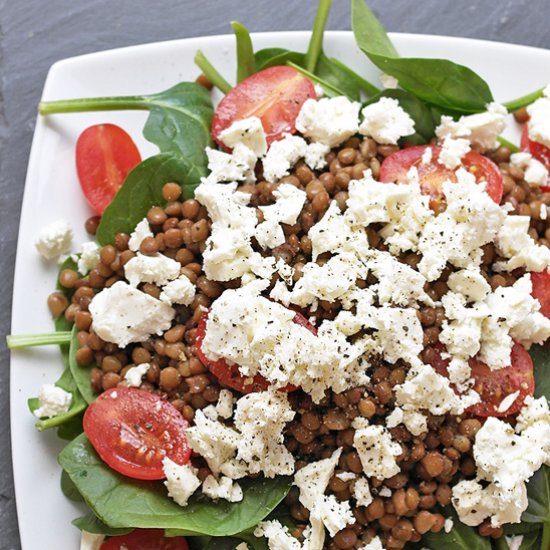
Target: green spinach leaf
x,y
532,541
71,428
538,493
92,524
141,190
68,488
246,64
81,375
122,502
197,543
271,57
334,74
541,363
222,543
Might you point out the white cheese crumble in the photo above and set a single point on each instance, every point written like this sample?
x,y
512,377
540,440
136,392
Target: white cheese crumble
x,y
427,156
448,525
249,132
507,402
159,269
224,488
91,541
452,151
361,492
535,173
123,314
89,257
539,123
52,401
278,535
141,232
386,121
282,156
389,82
134,375
54,239
178,291
181,480
470,283
374,544
227,167
224,406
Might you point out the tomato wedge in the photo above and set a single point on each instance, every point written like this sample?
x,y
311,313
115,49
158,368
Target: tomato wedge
x,y
432,174
537,150
541,290
133,430
275,95
229,375
494,385
145,539
105,154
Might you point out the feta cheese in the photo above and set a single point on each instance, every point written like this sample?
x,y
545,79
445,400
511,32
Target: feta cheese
x,y
181,481
539,123
54,239
315,155
249,132
282,156
179,291
224,488
374,544
89,257
134,375
141,232
333,514
535,173
224,406
470,283
123,314
329,121
230,167
448,525
361,492
376,449
415,422
507,402
52,401
159,269
452,151
91,541
278,536
386,121
389,82
427,156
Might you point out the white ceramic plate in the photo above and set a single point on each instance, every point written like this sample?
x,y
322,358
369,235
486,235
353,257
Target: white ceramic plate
x,y
52,192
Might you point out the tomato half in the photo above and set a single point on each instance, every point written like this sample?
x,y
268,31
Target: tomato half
x,y
105,154
145,539
541,290
133,430
537,150
494,385
275,95
432,174
229,375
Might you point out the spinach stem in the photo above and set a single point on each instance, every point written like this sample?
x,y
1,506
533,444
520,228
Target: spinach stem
x,y
523,101
329,88
365,85
508,144
29,340
316,41
246,63
86,104
211,73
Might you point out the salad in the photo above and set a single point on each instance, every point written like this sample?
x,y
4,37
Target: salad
x,y
316,319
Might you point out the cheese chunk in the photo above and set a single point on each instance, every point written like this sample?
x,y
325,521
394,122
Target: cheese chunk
x,y
89,257
141,232
224,488
229,167
278,536
374,544
535,173
54,239
52,401
539,123
386,121
470,283
249,132
452,151
134,375
181,481
361,492
282,156
157,269
178,291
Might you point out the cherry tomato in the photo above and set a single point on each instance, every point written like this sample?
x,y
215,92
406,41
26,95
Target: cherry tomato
x,y
275,95
541,290
229,375
145,539
494,385
133,430
432,174
105,154
537,150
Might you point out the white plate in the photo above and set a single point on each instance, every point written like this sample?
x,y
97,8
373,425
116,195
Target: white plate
x,y
52,192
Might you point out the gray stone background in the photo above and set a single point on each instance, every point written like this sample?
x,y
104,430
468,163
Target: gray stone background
x,y
36,33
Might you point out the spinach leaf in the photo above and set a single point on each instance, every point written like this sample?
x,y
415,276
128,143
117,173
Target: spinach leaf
x,y
119,501
211,73
315,46
92,524
532,541
61,324
68,488
334,74
197,543
271,57
246,64
538,493
142,189
81,375
222,543
541,363
437,81
71,428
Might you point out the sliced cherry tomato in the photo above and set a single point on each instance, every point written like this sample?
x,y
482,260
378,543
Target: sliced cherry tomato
x,y
432,174
105,154
145,539
494,385
133,430
537,150
541,290
275,95
229,375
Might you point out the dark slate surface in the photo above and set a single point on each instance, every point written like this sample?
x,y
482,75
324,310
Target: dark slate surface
x,y
36,33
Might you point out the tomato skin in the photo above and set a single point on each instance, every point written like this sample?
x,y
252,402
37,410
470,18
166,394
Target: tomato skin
x,y
275,95
145,539
432,175
229,374
541,290
105,154
494,386
537,150
132,430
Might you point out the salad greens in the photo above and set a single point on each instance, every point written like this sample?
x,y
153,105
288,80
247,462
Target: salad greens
x,y
81,375
246,64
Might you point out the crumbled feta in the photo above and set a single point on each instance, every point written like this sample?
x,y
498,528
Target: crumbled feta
x,y
181,480
224,406
361,492
140,233
282,156
452,151
248,132
539,123
52,401
178,291
470,283
514,542
415,422
333,514
329,121
427,156
507,402
159,269
543,211
374,544
389,82
315,155
123,314
134,375
91,541
448,525
386,121
346,476
54,239
535,173
229,167
89,257
224,488
278,535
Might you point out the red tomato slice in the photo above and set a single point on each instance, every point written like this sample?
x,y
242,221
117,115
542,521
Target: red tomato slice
x,y
105,154
145,539
541,290
494,385
133,430
537,150
229,375
275,95
432,174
